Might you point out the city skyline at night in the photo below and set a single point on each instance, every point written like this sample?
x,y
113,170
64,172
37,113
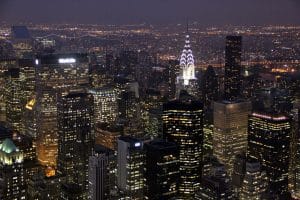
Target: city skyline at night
x,y
149,100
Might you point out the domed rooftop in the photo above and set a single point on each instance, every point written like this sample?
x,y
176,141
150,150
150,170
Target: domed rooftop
x,y
8,146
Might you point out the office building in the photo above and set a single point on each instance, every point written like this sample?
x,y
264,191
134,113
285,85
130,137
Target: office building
x,y
13,99
130,170
105,105
107,135
230,130
215,186
233,57
255,182
269,144
75,143
183,125
12,184
101,173
162,169
209,87
56,74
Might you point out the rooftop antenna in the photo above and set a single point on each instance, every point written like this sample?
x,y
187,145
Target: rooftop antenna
x,y
187,26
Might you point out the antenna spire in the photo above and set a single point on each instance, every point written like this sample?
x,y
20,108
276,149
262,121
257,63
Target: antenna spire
x,y
187,26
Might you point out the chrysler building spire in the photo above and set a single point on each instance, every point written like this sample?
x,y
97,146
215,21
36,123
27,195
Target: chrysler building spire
x,y
187,62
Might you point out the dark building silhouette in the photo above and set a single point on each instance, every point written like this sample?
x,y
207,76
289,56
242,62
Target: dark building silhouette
x,y
162,169
233,54
209,86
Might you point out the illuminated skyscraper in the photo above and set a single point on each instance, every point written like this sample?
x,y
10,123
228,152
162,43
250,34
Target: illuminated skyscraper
x,y
13,99
183,125
187,79
130,171
12,184
56,74
162,170
269,144
105,105
233,56
255,182
27,76
296,168
75,143
230,131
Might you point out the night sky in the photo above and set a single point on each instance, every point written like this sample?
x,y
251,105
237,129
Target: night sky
x,y
206,12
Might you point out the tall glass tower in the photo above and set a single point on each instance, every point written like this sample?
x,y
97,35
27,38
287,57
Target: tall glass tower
x,y
183,125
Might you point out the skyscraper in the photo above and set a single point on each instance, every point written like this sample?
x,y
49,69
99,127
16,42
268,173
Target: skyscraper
x,y
215,186
269,144
187,79
209,87
230,131
105,105
162,170
100,169
75,143
255,182
183,125
56,74
13,99
233,56
130,171
12,184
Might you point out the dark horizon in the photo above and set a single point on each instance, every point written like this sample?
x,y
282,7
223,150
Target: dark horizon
x,y
205,12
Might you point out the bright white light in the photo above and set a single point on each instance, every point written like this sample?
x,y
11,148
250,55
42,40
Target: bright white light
x,y
36,61
138,144
66,60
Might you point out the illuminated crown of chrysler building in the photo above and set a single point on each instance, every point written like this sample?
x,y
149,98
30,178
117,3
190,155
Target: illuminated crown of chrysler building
x,y
187,62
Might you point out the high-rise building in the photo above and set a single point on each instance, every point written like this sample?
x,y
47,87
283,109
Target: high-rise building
x,y
75,143
269,144
254,182
230,130
105,105
215,186
233,56
209,87
183,125
13,99
187,79
27,77
162,170
239,170
5,65
130,170
107,135
101,173
173,73
12,184
56,74
296,168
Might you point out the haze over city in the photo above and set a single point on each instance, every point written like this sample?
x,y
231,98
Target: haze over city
x,y
205,12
